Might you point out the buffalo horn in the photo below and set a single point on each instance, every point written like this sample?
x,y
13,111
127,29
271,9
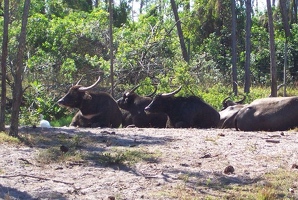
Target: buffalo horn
x,y
172,93
134,89
224,102
79,80
89,87
242,100
153,93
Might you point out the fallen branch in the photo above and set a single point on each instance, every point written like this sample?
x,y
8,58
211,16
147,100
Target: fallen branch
x,y
37,177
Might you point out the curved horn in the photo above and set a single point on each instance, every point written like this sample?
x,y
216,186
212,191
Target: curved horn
x,y
224,102
135,88
153,93
89,87
242,100
79,80
172,93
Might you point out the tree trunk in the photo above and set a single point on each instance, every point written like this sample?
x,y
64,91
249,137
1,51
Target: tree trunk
x,y
286,26
18,72
111,7
285,18
179,30
247,82
3,65
272,51
234,49
295,12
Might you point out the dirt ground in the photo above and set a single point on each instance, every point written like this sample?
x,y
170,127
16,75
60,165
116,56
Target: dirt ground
x,y
172,164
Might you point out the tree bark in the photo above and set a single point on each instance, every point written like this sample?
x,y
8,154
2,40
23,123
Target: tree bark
x,y
272,51
285,18
234,49
18,72
247,82
3,64
179,30
111,7
286,26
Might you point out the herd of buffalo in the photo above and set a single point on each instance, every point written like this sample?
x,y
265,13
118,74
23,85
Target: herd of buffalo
x,y
99,109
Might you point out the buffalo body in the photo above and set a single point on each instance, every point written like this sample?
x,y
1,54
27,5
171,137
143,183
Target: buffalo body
x,y
184,112
135,104
96,109
268,114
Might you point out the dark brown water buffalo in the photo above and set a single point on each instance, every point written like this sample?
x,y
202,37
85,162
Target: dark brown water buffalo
x,y
184,112
96,109
229,112
268,114
135,104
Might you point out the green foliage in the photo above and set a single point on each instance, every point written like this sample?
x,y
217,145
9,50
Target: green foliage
x,y
67,39
63,121
121,13
5,138
37,100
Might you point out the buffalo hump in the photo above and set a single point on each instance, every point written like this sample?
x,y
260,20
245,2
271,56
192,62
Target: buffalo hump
x,y
185,112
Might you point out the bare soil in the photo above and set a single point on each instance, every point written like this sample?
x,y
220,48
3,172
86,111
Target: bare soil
x,y
172,164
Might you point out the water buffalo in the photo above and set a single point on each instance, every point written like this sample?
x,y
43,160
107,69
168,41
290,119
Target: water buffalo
x,y
135,104
96,109
229,112
268,114
227,102
228,115
184,112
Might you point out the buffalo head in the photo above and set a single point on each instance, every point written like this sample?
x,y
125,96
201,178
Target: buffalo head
x,y
130,99
227,102
76,95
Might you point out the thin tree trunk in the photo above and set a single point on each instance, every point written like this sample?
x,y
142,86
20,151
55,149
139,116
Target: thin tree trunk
x,y
18,72
179,30
286,26
111,6
141,6
234,49
285,18
3,64
247,47
272,51
295,11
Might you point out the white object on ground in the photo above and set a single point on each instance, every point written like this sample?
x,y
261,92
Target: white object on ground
x,y
44,123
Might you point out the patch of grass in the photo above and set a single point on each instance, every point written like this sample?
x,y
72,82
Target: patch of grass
x,y
5,138
50,147
53,140
181,192
266,193
64,121
271,186
55,155
123,157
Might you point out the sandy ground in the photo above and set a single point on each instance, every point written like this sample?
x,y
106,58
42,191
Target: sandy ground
x,y
178,162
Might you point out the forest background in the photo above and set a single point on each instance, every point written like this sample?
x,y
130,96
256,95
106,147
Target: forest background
x,y
210,47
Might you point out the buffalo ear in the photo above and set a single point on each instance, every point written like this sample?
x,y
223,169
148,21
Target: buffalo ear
x,y
87,96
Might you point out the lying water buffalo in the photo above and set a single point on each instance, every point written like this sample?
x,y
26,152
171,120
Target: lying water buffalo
x,y
96,109
268,114
229,112
184,112
227,102
135,104
228,115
